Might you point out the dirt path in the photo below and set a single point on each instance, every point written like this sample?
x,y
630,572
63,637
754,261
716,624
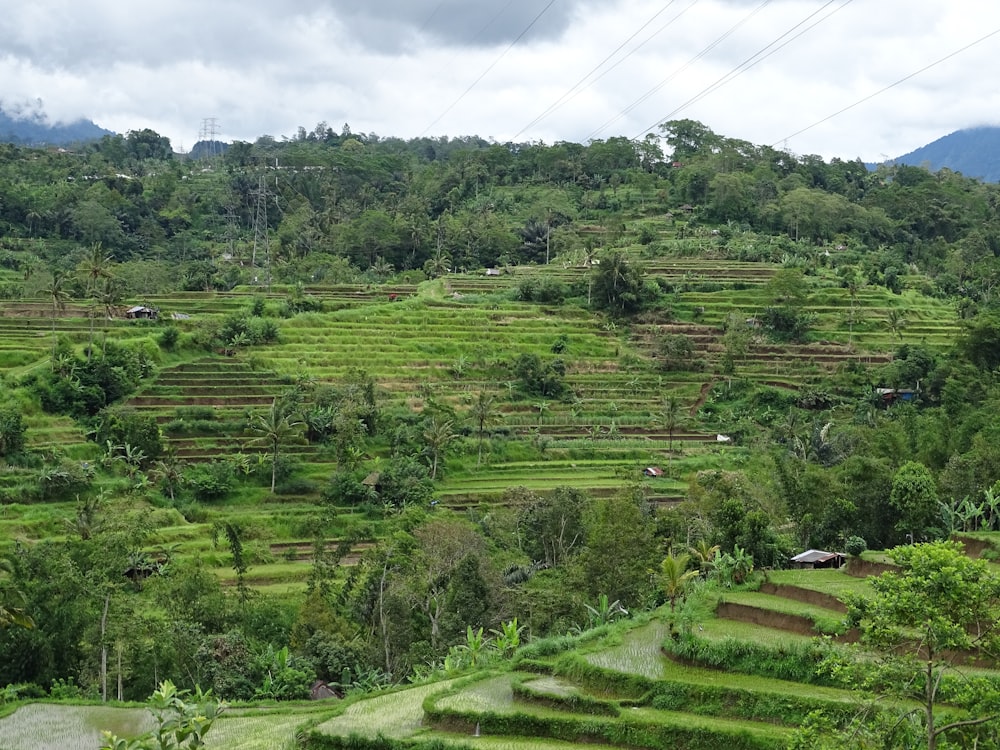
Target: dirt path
x,y
703,396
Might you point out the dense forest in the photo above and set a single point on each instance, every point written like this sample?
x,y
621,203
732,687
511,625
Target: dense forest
x,y
837,463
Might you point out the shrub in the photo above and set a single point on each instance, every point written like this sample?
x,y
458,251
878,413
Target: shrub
x,y
676,352
168,337
121,426
211,481
855,545
12,431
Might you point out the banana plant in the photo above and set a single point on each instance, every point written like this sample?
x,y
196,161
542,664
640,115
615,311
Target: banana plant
x,y
508,638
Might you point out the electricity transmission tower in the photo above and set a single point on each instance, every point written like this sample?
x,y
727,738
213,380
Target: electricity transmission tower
x,y
209,137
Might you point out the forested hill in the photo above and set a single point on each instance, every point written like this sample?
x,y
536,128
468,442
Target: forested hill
x,y
974,152
346,406
36,130
342,203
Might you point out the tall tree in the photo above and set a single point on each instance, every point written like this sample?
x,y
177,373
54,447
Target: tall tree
x,y
59,294
96,268
437,435
940,604
675,577
672,413
274,428
484,413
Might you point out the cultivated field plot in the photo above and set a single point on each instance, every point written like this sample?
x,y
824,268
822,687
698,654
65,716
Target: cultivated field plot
x,y
396,714
40,726
639,652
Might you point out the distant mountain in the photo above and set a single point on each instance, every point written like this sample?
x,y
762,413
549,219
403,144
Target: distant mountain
x,y
208,149
30,126
975,152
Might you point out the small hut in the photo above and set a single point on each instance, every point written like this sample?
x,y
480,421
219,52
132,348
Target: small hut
x,y
141,312
817,558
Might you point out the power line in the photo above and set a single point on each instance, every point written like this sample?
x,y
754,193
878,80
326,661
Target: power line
x,y
684,67
754,59
890,86
489,68
578,86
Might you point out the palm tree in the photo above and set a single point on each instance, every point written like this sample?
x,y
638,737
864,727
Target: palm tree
x,y
95,267
704,553
11,614
437,435
675,577
672,414
438,264
896,322
273,429
168,471
57,292
484,413
381,268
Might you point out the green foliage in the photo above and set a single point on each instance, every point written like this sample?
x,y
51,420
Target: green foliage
x,y
123,426
169,337
182,721
12,432
939,605
620,550
855,545
676,352
539,377
212,480
794,661
82,387
914,496
619,286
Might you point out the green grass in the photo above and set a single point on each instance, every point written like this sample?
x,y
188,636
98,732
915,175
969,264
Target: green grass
x,y
395,714
42,726
832,582
638,653
825,620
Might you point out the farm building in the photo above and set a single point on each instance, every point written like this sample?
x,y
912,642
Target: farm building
x,y
140,312
653,471
891,395
817,558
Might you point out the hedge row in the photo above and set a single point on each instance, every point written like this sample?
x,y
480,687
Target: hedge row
x,y
704,700
656,735
573,703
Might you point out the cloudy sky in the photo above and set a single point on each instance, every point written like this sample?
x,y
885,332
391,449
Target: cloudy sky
x,y
767,71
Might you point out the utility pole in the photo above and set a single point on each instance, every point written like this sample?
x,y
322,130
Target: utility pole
x,y
260,234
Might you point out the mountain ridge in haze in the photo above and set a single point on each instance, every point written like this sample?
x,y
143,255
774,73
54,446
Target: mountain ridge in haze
x,y
975,152
28,125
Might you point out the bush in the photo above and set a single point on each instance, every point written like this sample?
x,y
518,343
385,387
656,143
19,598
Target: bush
x,y
855,545
211,481
168,337
676,352
121,426
12,431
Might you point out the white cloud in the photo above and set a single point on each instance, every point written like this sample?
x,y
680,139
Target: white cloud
x,y
395,66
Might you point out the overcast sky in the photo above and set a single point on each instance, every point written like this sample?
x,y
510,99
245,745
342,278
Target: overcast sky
x,y
521,70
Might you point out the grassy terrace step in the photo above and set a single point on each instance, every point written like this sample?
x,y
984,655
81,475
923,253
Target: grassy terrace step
x,y
490,703
781,612
396,714
835,583
640,653
186,400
